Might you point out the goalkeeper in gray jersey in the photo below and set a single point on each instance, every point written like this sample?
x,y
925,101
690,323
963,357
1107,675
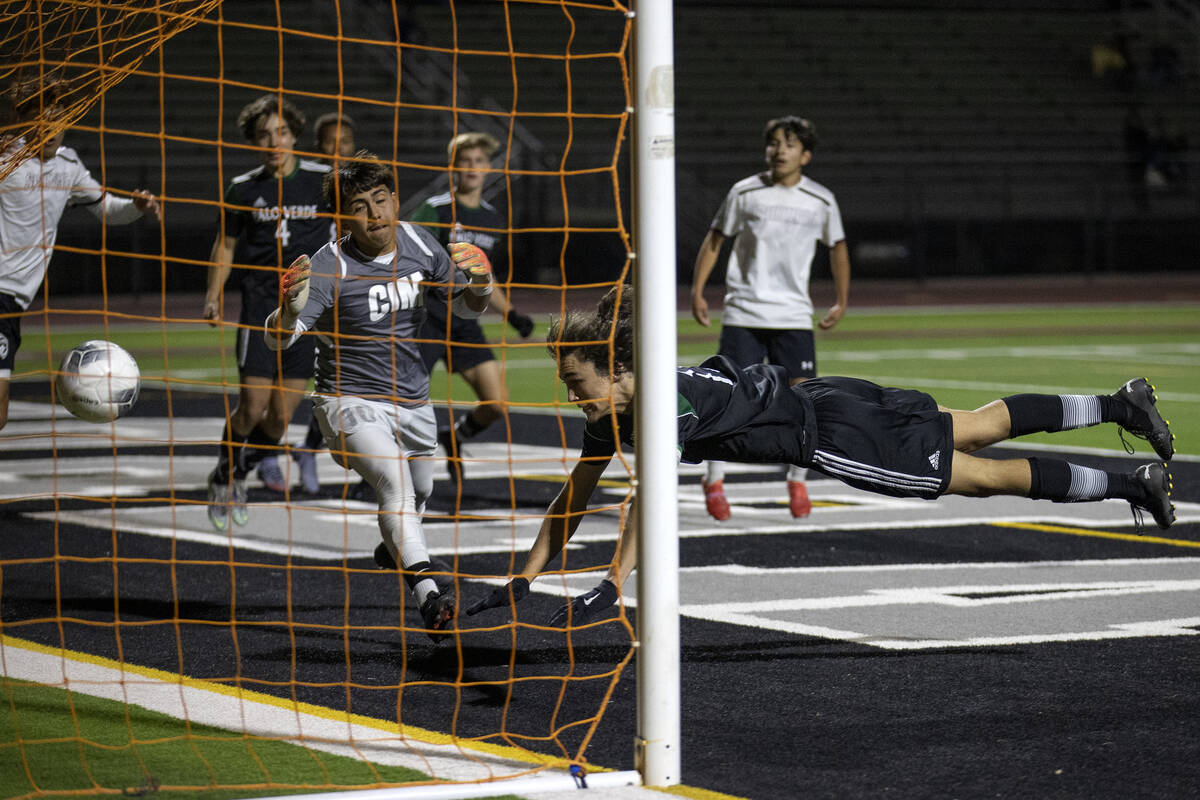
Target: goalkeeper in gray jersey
x,y
363,297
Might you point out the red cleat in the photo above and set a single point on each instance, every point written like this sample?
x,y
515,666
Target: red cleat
x,y
798,502
715,502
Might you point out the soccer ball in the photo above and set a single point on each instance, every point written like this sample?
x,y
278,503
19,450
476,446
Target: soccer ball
x,y
98,381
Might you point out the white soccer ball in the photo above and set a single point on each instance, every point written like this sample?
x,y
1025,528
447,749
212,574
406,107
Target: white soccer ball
x,y
98,381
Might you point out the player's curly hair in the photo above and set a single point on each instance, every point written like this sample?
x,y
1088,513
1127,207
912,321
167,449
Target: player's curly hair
x,y
265,106
360,174
603,337
802,129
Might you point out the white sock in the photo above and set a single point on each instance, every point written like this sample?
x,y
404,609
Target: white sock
x,y
795,473
714,471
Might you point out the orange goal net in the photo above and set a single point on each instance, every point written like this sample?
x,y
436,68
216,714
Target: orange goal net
x,y
146,648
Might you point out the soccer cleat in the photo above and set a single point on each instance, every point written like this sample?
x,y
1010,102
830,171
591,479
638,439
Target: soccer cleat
x,y
438,612
798,502
270,474
1156,485
446,439
1139,395
240,514
218,502
715,502
308,471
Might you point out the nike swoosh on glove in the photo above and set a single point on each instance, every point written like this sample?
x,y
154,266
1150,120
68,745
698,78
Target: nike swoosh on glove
x,y
517,587
586,607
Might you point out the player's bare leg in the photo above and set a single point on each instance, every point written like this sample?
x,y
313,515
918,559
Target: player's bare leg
x,y
3,402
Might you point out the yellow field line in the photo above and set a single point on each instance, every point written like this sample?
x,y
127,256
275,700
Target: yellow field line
x,y
1126,537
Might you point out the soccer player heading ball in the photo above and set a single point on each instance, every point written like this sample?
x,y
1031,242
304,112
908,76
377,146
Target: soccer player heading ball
x,y
896,442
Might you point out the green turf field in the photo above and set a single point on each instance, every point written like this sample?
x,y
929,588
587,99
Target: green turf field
x,y
963,357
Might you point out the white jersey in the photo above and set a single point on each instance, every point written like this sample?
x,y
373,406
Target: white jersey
x,y
32,200
775,231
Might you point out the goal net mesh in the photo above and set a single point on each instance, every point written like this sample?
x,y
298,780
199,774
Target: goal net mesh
x,y
142,649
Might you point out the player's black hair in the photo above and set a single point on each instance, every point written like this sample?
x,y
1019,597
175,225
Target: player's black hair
x,y
331,118
799,127
265,106
602,337
353,176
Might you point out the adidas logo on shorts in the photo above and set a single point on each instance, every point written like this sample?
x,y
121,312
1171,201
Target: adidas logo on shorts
x,y
936,459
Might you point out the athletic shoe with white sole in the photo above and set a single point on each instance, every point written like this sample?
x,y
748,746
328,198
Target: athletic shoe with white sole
x,y
218,502
308,471
271,475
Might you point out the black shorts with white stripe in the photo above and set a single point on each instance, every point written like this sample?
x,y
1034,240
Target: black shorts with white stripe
x,y
879,439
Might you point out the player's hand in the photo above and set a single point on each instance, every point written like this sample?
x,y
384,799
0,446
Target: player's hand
x,y
586,607
212,310
517,589
700,310
293,286
147,203
520,323
471,260
832,316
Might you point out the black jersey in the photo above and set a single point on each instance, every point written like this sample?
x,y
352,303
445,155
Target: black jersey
x,y
275,220
748,415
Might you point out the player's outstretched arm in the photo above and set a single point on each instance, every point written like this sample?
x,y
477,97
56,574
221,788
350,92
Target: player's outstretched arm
x,y
148,204
587,606
558,526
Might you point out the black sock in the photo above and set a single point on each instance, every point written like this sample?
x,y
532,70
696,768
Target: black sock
x,y
1063,482
231,446
467,426
1033,413
314,439
258,446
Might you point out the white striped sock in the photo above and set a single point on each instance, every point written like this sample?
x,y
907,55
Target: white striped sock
x,y
1079,410
1086,484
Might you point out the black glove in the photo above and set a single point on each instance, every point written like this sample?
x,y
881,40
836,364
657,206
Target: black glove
x,y
520,323
517,587
586,607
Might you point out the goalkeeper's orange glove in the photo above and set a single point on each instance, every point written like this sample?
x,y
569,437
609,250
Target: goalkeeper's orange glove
x,y
293,286
471,260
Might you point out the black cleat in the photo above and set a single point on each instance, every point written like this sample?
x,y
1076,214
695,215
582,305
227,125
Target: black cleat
x,y
446,439
438,612
1156,485
1139,394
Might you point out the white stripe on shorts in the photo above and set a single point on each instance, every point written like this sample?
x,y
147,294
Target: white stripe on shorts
x,y
838,465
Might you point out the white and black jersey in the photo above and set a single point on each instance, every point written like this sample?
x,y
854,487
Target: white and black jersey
x,y
32,200
369,311
775,230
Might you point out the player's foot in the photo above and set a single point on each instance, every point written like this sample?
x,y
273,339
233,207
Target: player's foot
x,y
1156,485
715,502
453,455
383,557
271,475
218,502
1148,424
308,471
798,502
438,612
240,514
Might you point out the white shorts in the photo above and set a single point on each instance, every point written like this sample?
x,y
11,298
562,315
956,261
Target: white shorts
x,y
413,427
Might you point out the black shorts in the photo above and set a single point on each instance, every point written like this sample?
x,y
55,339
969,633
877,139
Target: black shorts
x,y
887,441
257,360
10,332
457,356
784,347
